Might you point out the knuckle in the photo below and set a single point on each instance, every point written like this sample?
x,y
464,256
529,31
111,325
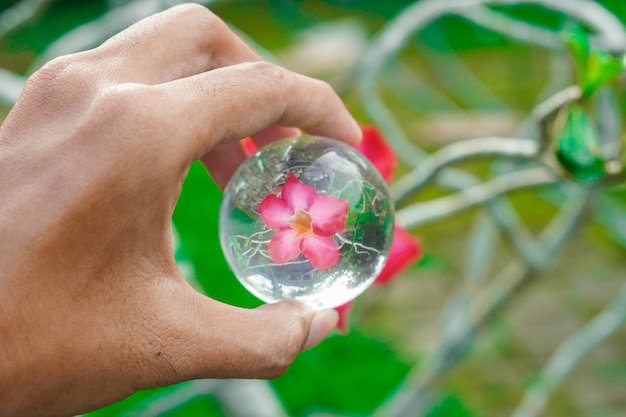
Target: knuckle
x,y
196,14
53,71
191,9
205,30
61,90
124,112
284,355
275,75
123,102
62,77
326,88
325,93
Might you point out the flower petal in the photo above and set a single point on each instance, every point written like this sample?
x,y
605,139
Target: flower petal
x,y
405,250
296,194
248,146
328,214
321,251
275,212
344,312
377,150
284,246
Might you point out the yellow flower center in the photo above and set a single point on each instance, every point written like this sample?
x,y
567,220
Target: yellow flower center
x,y
301,223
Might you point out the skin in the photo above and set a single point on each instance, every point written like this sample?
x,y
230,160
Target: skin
x,y
92,159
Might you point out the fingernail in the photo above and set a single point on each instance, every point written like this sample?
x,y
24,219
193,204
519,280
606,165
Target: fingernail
x,y
323,323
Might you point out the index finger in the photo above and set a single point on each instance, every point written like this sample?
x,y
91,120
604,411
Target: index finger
x,y
231,103
223,160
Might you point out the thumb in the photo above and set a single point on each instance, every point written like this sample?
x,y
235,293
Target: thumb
x,y
209,339
320,324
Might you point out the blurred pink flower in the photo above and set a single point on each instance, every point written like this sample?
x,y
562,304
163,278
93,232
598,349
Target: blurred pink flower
x,y
377,150
248,146
344,313
304,222
405,248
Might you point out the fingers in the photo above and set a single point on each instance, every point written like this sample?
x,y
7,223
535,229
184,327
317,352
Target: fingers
x,y
223,160
274,133
177,79
207,339
182,41
231,103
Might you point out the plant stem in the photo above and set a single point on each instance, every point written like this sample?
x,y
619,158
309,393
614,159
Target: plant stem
x,y
421,213
11,86
20,14
516,29
569,353
469,312
460,151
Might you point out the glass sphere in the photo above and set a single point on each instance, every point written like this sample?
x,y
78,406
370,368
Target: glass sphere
x,y
306,218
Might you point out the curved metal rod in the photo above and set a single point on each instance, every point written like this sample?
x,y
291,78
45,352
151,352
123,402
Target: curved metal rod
x,y
421,213
460,151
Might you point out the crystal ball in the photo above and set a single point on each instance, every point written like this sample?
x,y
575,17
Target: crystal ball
x,y
309,219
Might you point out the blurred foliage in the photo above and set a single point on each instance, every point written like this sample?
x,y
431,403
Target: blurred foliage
x,y
360,372
578,147
454,79
195,219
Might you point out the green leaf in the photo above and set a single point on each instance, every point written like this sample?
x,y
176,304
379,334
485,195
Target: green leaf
x,y
578,147
602,69
147,401
345,374
196,218
578,44
450,406
594,68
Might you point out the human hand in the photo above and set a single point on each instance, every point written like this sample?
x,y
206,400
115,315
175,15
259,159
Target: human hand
x,y
92,160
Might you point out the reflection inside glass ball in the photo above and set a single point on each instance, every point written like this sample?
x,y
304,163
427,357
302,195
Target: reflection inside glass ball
x,y
309,219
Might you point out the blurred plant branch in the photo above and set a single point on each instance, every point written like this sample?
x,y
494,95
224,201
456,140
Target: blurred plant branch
x,y
516,29
569,353
415,17
21,13
93,33
80,38
460,151
420,213
239,398
610,213
480,250
471,310
545,112
11,86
